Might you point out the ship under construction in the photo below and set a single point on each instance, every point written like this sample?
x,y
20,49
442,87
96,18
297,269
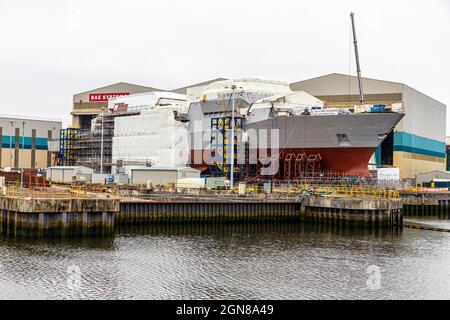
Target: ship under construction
x,y
288,131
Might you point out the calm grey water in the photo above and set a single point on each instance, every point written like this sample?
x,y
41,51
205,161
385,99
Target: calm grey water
x,y
295,261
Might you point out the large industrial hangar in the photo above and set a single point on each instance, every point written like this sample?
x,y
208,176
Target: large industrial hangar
x,y
89,104
25,141
418,142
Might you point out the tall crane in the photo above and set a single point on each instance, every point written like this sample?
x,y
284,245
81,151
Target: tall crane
x,y
358,69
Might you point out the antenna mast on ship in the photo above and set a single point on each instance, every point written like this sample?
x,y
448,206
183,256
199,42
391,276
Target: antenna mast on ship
x,y
358,69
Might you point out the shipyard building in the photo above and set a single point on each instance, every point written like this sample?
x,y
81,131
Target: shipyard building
x,y
417,143
447,152
25,141
89,104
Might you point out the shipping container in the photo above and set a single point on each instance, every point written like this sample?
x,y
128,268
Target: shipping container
x,y
378,108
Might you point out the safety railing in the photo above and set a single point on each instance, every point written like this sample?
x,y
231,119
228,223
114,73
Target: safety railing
x,y
14,189
255,190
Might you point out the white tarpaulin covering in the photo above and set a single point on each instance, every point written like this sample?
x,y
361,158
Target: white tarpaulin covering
x,y
152,137
148,100
294,98
251,88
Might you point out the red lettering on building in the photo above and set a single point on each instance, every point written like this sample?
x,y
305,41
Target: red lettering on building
x,y
103,97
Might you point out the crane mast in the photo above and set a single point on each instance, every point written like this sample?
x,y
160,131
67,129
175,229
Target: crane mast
x,y
358,69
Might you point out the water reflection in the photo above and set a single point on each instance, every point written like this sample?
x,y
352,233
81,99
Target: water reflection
x,y
426,212
223,230
31,243
262,261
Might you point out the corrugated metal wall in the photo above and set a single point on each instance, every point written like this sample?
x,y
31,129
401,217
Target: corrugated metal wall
x,y
29,146
419,142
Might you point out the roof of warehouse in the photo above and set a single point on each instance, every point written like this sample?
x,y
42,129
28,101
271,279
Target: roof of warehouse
x,y
121,83
433,171
395,86
159,94
25,117
345,75
183,89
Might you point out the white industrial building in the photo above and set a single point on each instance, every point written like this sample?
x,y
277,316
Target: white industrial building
x,y
67,174
432,176
162,175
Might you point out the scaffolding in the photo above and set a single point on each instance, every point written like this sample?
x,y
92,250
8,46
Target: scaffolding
x,y
93,147
66,155
298,166
221,128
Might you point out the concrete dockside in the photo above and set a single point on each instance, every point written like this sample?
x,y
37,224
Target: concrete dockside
x,y
22,216
57,217
426,204
354,211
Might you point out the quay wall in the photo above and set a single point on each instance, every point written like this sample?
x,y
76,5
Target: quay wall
x,y
429,204
344,211
57,217
102,216
211,212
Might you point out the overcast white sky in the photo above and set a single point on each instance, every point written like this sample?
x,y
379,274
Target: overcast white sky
x,y
51,49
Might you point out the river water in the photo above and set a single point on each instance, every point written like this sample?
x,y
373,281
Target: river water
x,y
290,261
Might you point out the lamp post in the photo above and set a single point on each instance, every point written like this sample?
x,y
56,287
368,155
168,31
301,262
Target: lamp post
x,y
21,156
233,87
10,144
101,144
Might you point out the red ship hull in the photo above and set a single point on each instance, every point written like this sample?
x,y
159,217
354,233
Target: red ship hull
x,y
344,161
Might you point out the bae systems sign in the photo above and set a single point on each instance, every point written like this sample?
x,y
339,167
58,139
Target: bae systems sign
x,y
103,97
